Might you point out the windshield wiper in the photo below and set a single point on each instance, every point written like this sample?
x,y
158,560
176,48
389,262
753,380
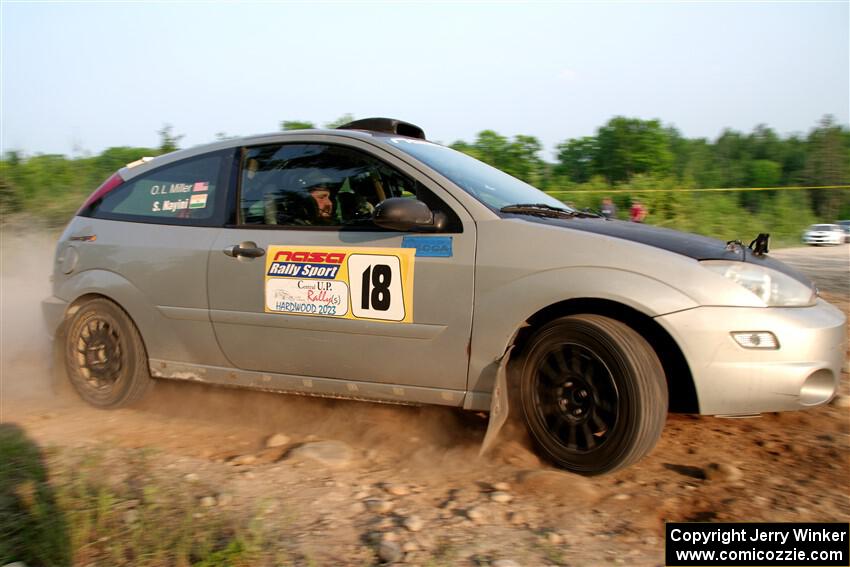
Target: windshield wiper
x,y
544,210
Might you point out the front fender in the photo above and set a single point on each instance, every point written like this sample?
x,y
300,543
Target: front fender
x,y
500,311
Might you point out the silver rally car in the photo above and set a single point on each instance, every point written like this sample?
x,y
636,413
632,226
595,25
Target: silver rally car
x,y
366,262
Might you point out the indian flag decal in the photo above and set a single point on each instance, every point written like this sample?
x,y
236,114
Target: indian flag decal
x,y
198,201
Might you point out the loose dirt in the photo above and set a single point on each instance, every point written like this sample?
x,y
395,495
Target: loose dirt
x,y
406,483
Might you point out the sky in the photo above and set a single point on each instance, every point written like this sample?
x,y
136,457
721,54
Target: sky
x,y
78,77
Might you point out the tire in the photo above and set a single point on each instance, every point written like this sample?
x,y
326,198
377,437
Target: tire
x,y
593,394
105,357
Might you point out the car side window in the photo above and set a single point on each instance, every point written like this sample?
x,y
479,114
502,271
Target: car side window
x,y
322,185
184,192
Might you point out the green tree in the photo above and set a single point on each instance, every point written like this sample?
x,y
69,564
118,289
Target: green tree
x,y
764,173
827,163
518,157
167,140
576,158
731,157
296,125
630,146
344,119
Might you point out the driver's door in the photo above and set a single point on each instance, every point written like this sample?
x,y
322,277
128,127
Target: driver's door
x,y
341,298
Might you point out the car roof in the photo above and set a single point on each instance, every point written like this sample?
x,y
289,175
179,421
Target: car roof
x,y
142,166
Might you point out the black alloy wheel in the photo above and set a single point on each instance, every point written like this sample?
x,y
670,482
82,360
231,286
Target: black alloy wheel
x,y
593,393
104,355
576,397
99,354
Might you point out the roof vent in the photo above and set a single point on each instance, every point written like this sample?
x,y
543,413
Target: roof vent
x,y
388,125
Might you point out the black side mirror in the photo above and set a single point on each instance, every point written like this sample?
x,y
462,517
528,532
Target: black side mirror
x,y
404,214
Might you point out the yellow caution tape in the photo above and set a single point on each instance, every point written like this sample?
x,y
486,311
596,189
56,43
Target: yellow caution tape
x,y
718,189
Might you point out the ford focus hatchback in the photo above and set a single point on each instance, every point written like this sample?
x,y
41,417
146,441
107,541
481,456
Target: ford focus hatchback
x,y
366,262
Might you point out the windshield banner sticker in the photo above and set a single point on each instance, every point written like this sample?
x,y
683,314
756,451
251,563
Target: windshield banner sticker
x,y
349,283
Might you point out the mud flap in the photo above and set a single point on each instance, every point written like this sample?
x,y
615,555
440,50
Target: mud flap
x,y
498,404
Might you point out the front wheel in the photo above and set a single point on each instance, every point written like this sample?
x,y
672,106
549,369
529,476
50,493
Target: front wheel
x,y
105,357
593,393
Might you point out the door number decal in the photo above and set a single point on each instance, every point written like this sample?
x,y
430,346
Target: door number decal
x,y
349,283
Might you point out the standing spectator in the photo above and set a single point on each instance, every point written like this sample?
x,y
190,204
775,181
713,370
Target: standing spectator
x,y
608,209
638,212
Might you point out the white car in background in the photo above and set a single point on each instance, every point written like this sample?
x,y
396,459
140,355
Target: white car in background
x,y
818,234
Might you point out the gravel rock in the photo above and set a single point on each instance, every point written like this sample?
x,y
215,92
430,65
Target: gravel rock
x,y
476,514
413,523
191,477
396,489
723,471
502,487
390,552
554,538
501,497
208,501
504,563
332,454
379,506
277,440
410,546
225,499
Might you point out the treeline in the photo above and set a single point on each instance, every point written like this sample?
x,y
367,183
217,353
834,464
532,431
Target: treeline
x,y
626,159
629,158
53,186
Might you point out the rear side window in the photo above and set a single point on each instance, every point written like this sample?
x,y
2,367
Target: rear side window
x,y
182,193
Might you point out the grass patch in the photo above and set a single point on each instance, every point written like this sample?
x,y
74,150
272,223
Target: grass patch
x,y
99,509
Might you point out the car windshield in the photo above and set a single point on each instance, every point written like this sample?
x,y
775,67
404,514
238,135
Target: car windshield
x,y
489,185
827,227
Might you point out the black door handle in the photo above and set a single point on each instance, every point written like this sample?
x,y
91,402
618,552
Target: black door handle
x,y
245,249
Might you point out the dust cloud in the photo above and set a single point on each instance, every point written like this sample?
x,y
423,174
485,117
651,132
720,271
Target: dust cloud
x,y
26,260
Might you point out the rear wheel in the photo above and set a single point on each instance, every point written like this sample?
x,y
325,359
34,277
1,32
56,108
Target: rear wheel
x,y
593,393
105,356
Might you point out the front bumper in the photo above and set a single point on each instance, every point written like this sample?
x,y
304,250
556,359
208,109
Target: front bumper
x,y
821,239
730,380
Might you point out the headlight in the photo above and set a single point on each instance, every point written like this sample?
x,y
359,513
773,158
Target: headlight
x,y
774,288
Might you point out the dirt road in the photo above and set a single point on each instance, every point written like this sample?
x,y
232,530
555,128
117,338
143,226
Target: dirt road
x,y
357,483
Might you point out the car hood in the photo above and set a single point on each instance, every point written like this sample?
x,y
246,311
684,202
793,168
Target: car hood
x,y
690,245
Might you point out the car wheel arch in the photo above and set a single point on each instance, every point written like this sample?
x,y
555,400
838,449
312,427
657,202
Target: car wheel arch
x,y
75,305
680,384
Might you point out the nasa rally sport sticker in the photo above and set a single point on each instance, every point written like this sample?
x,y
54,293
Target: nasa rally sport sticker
x,y
348,283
